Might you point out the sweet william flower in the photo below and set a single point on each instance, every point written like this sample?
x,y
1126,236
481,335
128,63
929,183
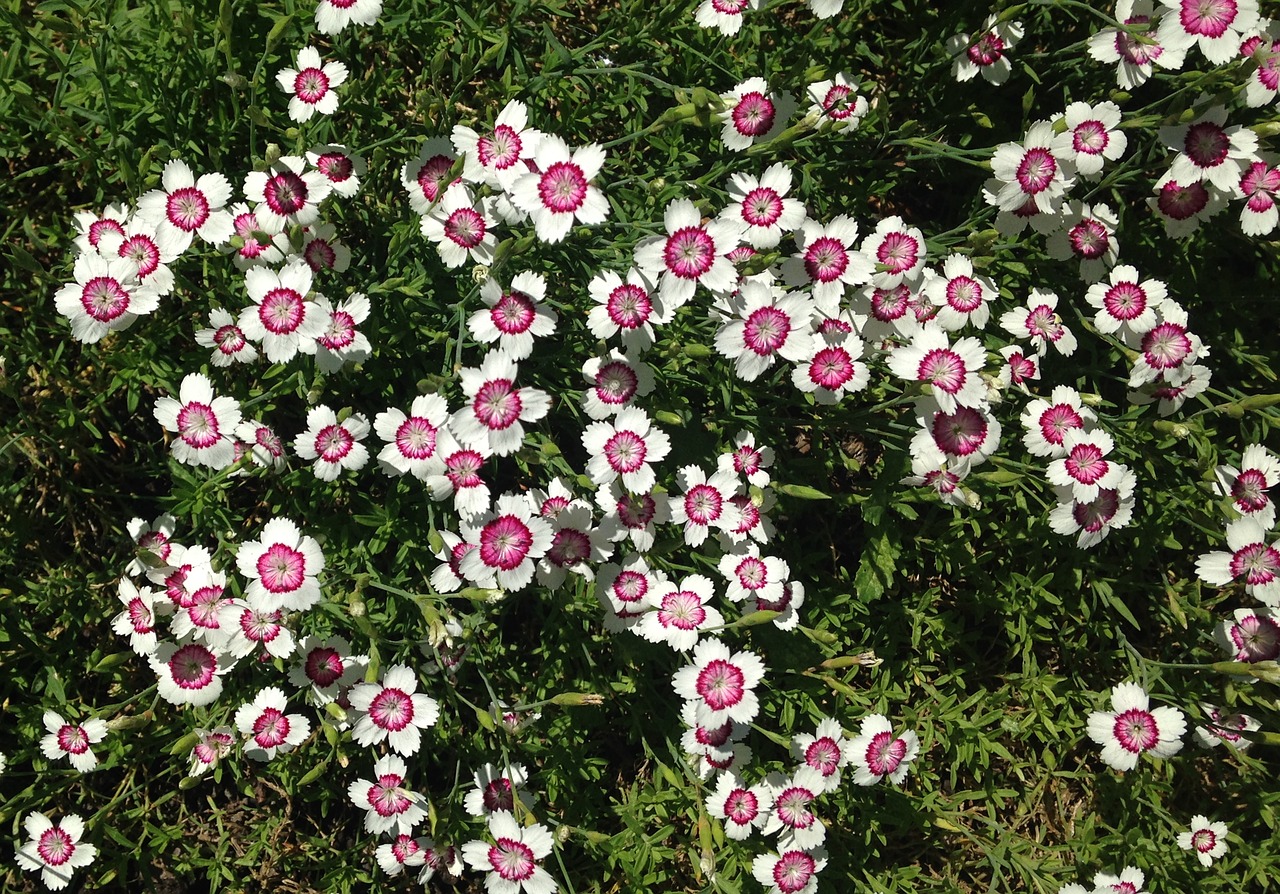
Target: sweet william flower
x,y
282,317
679,612
690,254
825,751
625,448
726,15
1129,881
461,226
1092,520
1095,136
1210,151
951,369
790,814
186,207
1250,558
1048,421
720,683
828,262
1251,634
106,297
286,193
790,870
227,340
268,729
838,104
211,747
191,673
413,438
427,177
327,668
1215,26
54,849
496,406
497,789
613,383
501,155
985,52
138,620
1037,171
740,807
340,342
509,539
312,85
762,206
753,113
281,565
389,805
1131,728
340,166
768,324
515,316
1248,485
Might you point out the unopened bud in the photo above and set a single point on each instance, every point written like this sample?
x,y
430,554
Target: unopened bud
x,y
130,721
479,274
578,699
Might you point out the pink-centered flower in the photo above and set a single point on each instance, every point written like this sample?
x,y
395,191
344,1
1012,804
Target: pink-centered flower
x,y
210,748
1252,558
461,477
1251,635
985,52
1132,728
186,207
105,297
72,741
461,227
340,342
326,668
204,423
1215,26
390,806
1182,208
762,206
625,448
1092,520
263,446
253,243
740,807
393,711
1088,234
1046,422
1135,55
962,296
1084,467
1248,485
190,673
705,503
512,858
876,753
828,261
1207,840
500,155
753,113
282,567
267,729
679,612
965,437
229,343
54,849
791,815
496,789
513,316
1037,171
726,15
628,308
721,684
1260,188
560,191
496,407
340,166
334,445
286,193
790,870
838,104
1126,303
148,249
613,383
952,370
428,176
768,324
690,254
138,619
412,439
1095,136
312,85
283,316
825,751
332,16
1210,151
509,539
1038,322
1167,347
1223,727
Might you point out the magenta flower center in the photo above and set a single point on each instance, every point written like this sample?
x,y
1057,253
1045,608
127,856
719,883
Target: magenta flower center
x,y
616,383
505,542
498,795
823,755
465,227
104,299
497,404
271,728
752,573
625,452
229,339
563,187
689,252
310,85
964,294
630,586
431,176
1256,639
320,255
792,807
885,753
637,511
569,547
682,609
888,305
285,193
514,313
324,666
142,251
1097,513
825,259
340,332
281,568
1203,840
1036,170
899,252
793,871
1182,202
333,443
629,306
703,504
1132,50
187,208
741,807
943,369
1256,563
986,50
721,684
335,166
1250,490
501,150
193,666
1088,239
836,103
1090,137
198,425
766,330
387,797
762,207
754,114
99,228
1136,730
1207,18
1166,346
1207,144
391,709
282,311
55,846
960,433
831,368
1125,301
1085,464
463,468
416,438
73,739
512,860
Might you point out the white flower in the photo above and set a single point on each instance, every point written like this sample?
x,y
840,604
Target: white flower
x,y
267,728
1130,729
876,753
72,740
511,860
311,85
333,445
54,848
393,711
205,424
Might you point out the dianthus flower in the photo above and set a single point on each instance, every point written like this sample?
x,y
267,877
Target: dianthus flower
x,y
625,448
1095,136
190,674
896,250
633,516
106,297
205,424
1216,26
762,206
496,789
691,253
1038,170
727,15
151,543
1129,881
1126,303
72,740
838,104
327,667
282,317
1048,421
322,250
1088,233
461,226
825,751
147,248
389,805
577,544
265,449
962,296
54,849
1094,519
1135,54
501,155
267,728
969,434
790,816
679,612
1208,840
339,343
252,243
876,753
613,383
512,859
560,191
1247,486
1184,208
460,478
281,565
985,52
1084,468
1252,634
1250,559
334,15
427,177
705,503
1166,347
1260,187
1222,727
1131,729
720,684
186,207
791,870
227,340
340,166
92,227
1210,151
627,308
412,439
211,746
753,113
769,323
333,445
138,620
509,539
312,85
393,711
740,807
951,369
496,406
286,193
514,316
828,262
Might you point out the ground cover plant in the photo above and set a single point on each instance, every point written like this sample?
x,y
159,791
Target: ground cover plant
x,y
698,446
